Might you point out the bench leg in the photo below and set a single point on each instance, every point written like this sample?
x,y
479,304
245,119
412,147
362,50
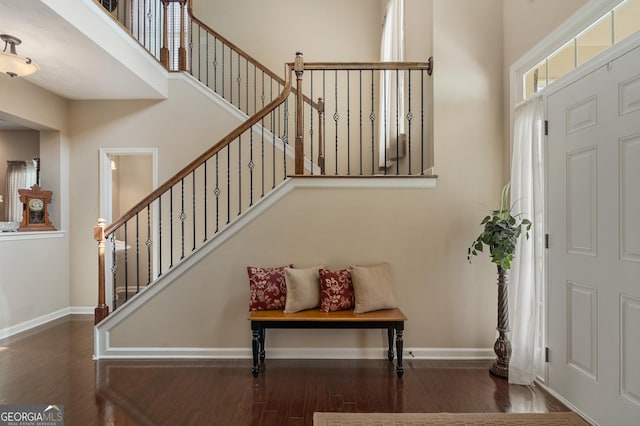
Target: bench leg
x,y
390,335
262,336
399,346
255,346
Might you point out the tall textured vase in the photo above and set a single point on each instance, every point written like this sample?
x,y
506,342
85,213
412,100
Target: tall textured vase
x,y
502,347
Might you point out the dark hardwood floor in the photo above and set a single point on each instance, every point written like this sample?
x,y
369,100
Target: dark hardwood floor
x,y
52,364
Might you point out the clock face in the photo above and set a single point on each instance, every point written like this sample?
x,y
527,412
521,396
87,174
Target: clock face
x,y
36,204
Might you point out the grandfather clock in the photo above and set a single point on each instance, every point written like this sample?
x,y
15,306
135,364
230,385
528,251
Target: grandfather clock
x,y
35,216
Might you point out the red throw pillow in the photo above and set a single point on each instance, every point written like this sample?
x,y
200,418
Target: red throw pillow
x,y
336,290
268,288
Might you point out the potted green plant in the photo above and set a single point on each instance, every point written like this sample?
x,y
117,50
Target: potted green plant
x,y
501,233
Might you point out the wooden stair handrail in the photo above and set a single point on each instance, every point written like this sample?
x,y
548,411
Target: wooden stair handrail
x,y
230,137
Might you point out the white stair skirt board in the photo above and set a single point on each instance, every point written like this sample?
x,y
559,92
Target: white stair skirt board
x,y
102,348
297,353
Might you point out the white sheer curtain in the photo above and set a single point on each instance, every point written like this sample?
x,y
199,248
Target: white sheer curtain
x,y
20,175
527,269
392,82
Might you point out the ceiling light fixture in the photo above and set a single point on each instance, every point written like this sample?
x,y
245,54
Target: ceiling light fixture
x,y
13,64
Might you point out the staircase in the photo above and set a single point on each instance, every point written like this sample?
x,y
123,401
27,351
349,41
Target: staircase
x,y
319,120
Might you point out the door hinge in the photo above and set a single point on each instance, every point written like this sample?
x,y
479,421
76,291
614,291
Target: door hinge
x,y
546,127
546,354
546,241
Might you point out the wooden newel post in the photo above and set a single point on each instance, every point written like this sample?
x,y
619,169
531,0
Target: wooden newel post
x,y
102,310
298,67
320,151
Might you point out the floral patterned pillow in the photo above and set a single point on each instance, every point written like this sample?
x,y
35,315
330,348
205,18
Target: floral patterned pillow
x,y
268,288
336,290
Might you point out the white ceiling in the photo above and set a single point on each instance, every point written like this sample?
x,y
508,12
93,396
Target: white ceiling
x,y
71,64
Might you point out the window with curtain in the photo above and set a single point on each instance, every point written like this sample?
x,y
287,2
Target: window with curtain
x,y
20,175
391,116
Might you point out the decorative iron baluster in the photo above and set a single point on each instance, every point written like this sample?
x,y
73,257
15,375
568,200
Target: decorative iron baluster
x,y
311,123
171,227
251,166
336,116
285,139
422,121
149,243
183,217
206,60
239,80
222,71
239,175
360,118
126,260
384,112
193,207
246,85
262,153
205,201
217,194
230,75
114,269
324,120
398,122
348,125
215,64
372,118
409,118
273,151
126,290
159,236
228,147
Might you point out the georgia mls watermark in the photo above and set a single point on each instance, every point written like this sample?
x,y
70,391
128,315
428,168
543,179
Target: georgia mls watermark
x,y
32,415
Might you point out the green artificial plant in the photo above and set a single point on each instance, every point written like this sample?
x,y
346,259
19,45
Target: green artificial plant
x,y
501,233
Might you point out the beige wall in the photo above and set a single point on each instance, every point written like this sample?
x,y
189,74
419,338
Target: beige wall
x,y
424,234
181,127
450,304
526,23
35,272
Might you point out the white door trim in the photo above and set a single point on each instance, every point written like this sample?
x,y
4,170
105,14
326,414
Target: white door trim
x,y
106,190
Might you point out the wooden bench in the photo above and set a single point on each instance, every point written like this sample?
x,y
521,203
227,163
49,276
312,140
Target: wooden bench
x,y
390,319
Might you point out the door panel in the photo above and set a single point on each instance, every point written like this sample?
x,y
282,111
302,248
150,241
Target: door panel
x,y
593,160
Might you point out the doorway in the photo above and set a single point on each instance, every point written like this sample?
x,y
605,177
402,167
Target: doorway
x,y
127,175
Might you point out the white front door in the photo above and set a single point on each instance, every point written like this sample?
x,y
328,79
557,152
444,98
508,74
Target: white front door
x,y
594,241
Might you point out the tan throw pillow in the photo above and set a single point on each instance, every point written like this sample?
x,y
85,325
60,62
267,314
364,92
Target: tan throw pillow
x,y
372,288
303,289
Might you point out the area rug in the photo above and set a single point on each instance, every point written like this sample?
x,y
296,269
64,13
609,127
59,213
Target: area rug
x,y
412,419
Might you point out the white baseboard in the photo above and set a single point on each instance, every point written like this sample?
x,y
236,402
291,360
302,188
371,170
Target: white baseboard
x,y
27,325
42,320
294,353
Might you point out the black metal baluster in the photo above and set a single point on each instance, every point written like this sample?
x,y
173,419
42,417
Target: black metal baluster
x,y
206,60
126,290
215,64
183,217
398,121
360,119
240,174
255,89
205,201
126,260
324,121
239,79
246,85
273,152
228,148
217,194
311,126
193,208
372,118
348,124
262,154
251,167
385,113
336,116
199,55
159,236
222,70
171,227
422,122
409,118
149,242
285,139
114,270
